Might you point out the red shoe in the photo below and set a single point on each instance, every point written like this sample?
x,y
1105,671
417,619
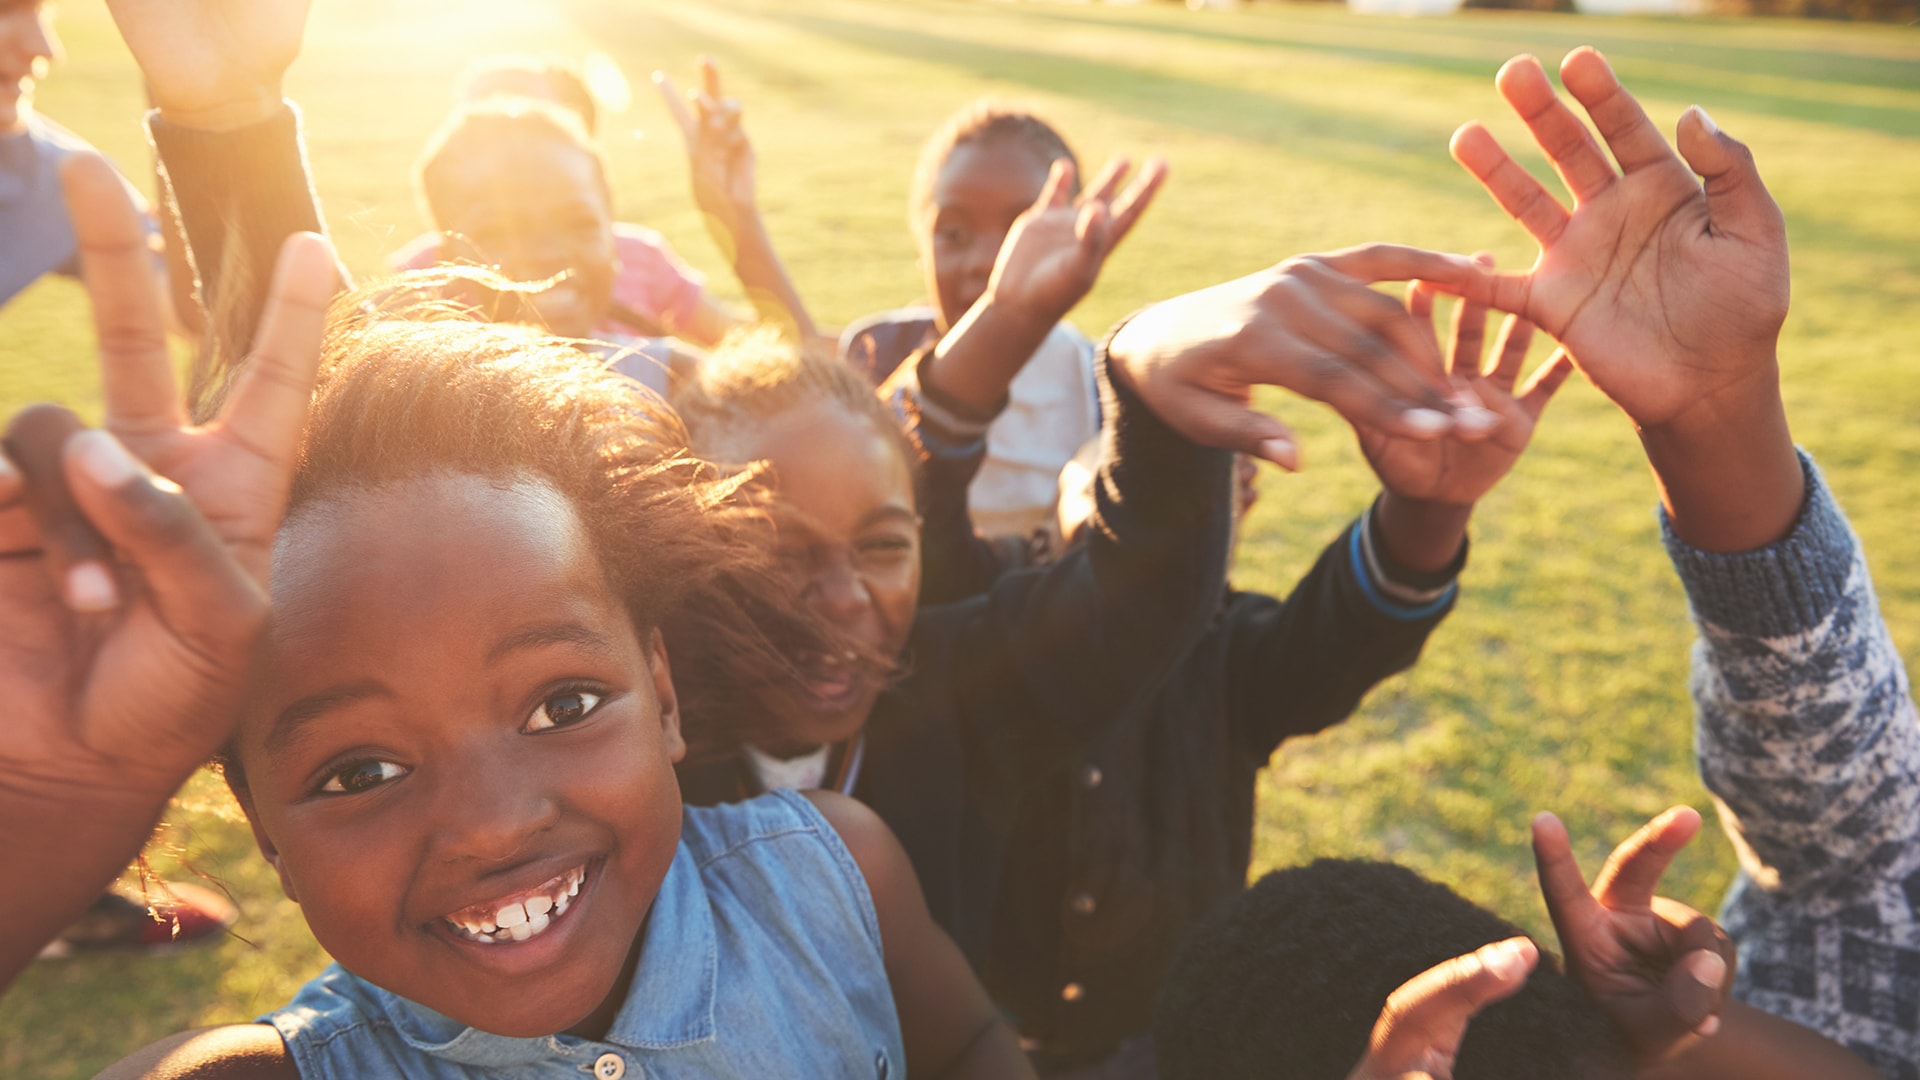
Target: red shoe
x,y
186,913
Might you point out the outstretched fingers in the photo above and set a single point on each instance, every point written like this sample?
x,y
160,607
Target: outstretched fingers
x,y
1132,202
1633,871
1737,201
1569,903
36,439
268,407
676,103
1517,192
1635,142
118,267
1572,149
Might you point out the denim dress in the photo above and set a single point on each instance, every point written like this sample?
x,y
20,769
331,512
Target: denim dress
x,y
762,958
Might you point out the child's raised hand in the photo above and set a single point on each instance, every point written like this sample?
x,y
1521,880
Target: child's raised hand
x,y
1311,325
214,64
1424,1022
1453,471
1669,295
1659,968
132,584
1054,252
719,156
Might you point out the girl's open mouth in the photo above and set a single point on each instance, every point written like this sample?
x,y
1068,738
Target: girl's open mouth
x,y
519,916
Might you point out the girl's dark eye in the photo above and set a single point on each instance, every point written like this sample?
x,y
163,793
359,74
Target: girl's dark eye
x,y
362,776
562,709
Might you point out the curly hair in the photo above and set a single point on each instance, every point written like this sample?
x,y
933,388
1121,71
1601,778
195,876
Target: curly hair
x,y
984,122
686,545
1285,983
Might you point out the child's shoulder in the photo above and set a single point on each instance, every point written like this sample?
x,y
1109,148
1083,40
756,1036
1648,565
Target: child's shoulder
x,y
781,855
228,1052
712,833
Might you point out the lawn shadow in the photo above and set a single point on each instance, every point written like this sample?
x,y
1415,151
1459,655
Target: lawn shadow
x,y
1405,153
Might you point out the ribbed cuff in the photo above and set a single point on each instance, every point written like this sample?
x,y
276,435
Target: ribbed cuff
x,y
1784,588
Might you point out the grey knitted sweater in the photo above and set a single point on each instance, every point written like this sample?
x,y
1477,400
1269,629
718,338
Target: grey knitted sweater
x,y
1808,738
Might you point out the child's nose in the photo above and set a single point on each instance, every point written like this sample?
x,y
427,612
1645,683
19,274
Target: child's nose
x,y
839,593
490,811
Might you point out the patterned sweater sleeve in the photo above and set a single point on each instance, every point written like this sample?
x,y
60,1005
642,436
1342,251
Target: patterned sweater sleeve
x,y
1806,728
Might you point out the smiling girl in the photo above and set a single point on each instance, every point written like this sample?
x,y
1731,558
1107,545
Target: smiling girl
x,y
458,747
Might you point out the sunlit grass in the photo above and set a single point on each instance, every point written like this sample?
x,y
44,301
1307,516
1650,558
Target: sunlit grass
x,y
1560,680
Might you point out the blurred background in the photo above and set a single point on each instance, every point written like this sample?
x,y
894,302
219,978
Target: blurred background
x,y
1560,681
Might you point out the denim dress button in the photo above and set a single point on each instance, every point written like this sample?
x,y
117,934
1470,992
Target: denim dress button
x,y
881,1068
610,1067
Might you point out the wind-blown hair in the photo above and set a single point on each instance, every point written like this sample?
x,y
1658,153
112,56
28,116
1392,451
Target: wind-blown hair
x,y
755,375
687,546
1285,983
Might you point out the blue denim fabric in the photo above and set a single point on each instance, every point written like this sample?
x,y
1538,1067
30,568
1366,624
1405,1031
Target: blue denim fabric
x,y
762,959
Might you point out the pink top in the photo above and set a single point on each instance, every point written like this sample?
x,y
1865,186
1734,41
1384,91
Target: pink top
x,y
652,280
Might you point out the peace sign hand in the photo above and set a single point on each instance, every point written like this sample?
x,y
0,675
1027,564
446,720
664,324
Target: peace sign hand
x,y
133,564
1055,250
1658,967
719,156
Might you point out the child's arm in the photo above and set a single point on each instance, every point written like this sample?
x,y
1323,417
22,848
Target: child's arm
x,y
1662,970
133,566
948,1024
721,160
1682,331
229,146
1430,486
1049,261
949,395
228,1052
1362,613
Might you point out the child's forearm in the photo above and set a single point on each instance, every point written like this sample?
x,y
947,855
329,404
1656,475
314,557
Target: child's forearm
x,y
975,363
1754,1045
1421,534
1726,468
761,273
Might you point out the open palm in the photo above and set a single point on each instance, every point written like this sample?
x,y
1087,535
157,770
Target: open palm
x,y
1458,471
1662,291
1054,252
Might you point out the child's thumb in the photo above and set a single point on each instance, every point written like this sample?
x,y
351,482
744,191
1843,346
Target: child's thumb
x,y
1737,201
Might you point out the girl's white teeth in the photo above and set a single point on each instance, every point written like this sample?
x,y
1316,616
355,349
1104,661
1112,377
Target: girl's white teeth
x,y
521,920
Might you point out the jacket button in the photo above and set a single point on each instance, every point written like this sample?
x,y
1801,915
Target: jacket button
x,y
609,1067
1082,903
1072,992
1090,777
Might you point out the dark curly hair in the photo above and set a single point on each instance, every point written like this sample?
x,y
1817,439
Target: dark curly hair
x,y
984,122
1285,983
687,545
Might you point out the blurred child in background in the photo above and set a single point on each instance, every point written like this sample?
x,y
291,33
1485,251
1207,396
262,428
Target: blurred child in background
x,y
515,180
979,171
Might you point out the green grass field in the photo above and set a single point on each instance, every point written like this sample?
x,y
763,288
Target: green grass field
x,y
1559,683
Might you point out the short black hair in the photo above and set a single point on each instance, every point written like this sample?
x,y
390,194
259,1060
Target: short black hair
x,y
1286,981
985,122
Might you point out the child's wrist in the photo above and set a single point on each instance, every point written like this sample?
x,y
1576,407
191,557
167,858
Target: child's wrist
x,y
254,106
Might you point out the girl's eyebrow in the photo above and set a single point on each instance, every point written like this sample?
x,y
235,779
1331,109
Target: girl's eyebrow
x,y
889,512
288,723
542,634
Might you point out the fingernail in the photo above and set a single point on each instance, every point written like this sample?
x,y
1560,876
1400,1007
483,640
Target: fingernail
x,y
1709,1026
1712,128
1503,960
103,459
1475,418
1281,452
90,588
1709,969
1425,421
8,474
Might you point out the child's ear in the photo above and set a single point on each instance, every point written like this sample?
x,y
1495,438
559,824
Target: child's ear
x,y
664,693
266,845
